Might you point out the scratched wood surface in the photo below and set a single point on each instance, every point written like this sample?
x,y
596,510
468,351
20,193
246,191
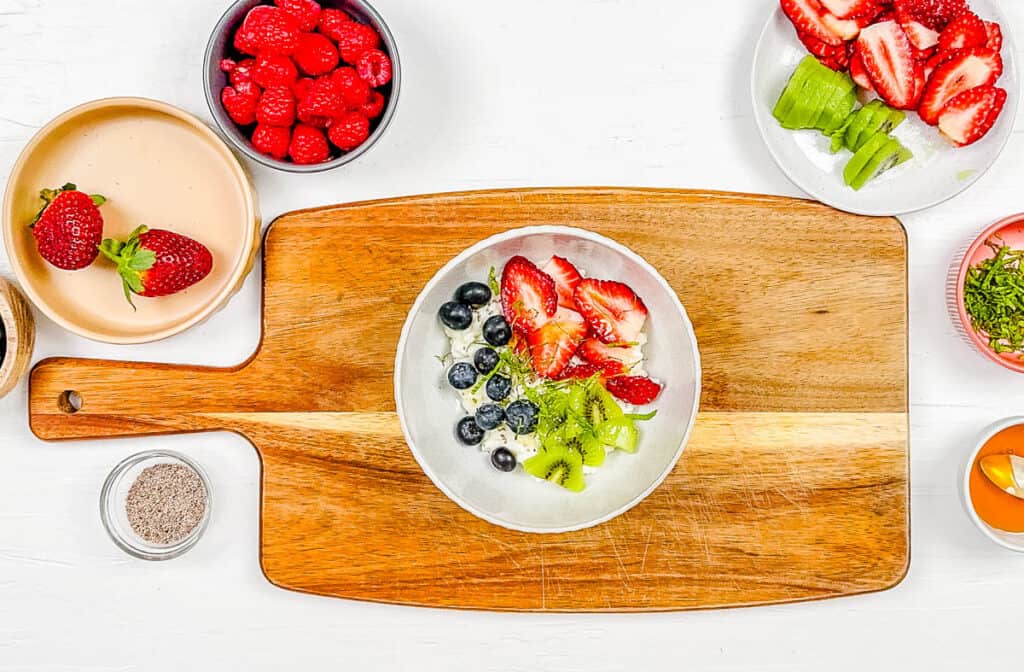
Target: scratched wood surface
x,y
794,485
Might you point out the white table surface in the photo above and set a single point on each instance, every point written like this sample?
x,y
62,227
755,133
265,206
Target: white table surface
x,y
532,93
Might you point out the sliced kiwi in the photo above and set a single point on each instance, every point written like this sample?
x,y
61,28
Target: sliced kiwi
x,y
883,121
575,438
862,156
839,136
875,117
887,158
840,106
873,159
784,106
618,433
859,120
810,103
590,404
559,465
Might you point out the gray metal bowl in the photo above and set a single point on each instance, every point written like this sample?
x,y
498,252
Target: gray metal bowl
x,y
214,80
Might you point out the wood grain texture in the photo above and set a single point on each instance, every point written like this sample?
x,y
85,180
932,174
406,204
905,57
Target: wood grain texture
x,y
19,334
793,487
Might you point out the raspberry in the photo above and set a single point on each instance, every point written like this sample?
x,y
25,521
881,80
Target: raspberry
x,y
272,140
374,106
274,70
322,102
240,102
349,131
316,54
305,12
241,71
301,87
355,38
276,107
331,21
354,91
308,145
374,67
269,30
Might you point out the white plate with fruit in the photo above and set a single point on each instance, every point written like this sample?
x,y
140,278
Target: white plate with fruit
x,y
905,104
547,379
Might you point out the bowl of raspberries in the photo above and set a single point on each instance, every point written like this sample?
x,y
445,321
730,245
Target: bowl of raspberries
x,y
302,85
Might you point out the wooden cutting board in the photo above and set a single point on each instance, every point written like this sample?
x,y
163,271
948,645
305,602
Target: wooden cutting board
x,y
794,485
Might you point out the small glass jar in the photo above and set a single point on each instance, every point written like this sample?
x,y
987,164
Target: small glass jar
x,y
115,516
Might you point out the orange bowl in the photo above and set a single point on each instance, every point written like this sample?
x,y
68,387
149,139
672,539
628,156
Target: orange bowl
x,y
157,165
1011,231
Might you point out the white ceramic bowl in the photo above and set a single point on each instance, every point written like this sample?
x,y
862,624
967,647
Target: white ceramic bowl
x,y
428,408
1014,542
938,170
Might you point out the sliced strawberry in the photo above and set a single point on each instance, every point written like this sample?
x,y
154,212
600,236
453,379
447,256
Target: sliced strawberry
x,y
528,295
966,70
848,9
819,48
859,73
968,117
844,29
889,62
920,35
588,370
555,342
935,14
566,278
616,359
995,36
635,390
806,16
964,32
937,59
614,312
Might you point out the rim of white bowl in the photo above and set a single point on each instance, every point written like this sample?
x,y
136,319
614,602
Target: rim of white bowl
x,y
1009,46
965,484
521,232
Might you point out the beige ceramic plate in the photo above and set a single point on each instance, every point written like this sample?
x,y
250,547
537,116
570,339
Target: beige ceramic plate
x,y
157,166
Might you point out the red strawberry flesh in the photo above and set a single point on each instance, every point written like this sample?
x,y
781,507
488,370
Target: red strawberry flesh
x,y
889,62
965,70
970,116
636,390
566,279
69,228
528,295
613,311
553,345
807,17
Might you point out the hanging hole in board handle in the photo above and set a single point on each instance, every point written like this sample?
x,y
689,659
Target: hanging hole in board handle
x,y
69,402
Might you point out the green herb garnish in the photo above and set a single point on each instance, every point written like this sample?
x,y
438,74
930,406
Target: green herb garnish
x,y
994,298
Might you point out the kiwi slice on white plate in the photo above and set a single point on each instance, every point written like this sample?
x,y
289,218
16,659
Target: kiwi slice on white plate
x,y
880,153
559,465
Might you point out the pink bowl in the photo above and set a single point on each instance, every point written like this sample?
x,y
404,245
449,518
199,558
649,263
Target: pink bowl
x,y
1011,231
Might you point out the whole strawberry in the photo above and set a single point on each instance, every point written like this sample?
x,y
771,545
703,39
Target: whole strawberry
x,y
69,227
158,262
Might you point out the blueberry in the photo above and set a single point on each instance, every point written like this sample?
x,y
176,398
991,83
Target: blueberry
x,y
486,359
456,316
489,416
521,416
468,432
499,387
462,376
496,331
473,294
503,459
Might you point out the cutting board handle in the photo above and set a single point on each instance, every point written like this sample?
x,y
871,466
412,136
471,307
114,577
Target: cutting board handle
x,y
95,399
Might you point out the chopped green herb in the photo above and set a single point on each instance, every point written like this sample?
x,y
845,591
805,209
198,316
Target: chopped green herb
x,y
994,298
492,280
